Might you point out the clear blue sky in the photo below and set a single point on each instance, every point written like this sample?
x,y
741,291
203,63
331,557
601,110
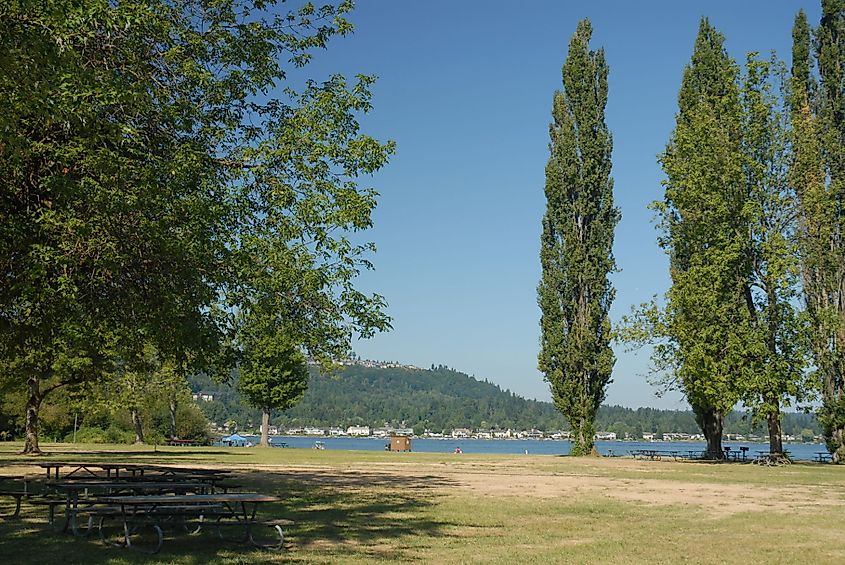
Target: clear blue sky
x,y
465,90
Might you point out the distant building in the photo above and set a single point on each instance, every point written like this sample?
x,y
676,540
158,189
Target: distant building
x,y
336,432
461,433
203,396
314,431
605,436
358,430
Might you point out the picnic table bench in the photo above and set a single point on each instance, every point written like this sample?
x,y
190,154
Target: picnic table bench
x,y
237,510
17,495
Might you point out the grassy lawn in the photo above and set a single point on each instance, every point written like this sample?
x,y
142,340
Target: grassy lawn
x,y
364,507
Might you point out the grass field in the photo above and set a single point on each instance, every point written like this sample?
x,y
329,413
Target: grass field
x,y
364,507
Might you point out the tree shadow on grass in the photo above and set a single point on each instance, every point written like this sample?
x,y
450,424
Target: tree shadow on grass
x,y
336,516
368,514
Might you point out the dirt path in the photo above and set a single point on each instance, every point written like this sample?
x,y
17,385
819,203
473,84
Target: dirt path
x,y
645,483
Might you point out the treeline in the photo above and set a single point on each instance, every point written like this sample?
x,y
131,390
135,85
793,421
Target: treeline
x,y
442,399
752,220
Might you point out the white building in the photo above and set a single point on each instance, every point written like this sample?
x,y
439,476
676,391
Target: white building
x,y
358,430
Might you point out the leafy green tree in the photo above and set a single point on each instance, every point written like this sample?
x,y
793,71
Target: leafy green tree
x,y
296,262
125,133
705,337
574,293
274,376
772,289
818,173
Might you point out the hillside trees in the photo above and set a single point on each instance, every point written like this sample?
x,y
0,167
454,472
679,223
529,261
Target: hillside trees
x,y
818,173
574,293
129,134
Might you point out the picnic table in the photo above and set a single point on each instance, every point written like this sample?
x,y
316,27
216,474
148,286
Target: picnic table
x,y
656,454
771,459
823,456
112,470
237,510
74,495
53,468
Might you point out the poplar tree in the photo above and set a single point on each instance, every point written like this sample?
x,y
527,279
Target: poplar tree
x,y
705,219
779,359
574,293
818,173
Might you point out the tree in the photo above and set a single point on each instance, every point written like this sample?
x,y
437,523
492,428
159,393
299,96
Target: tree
x,y
574,293
274,376
125,131
818,173
779,374
706,325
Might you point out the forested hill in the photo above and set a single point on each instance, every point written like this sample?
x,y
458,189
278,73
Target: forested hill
x,y
438,398
443,399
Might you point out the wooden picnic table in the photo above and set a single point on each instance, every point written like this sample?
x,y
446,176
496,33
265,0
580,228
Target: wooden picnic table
x,y
656,454
234,509
823,456
89,468
75,494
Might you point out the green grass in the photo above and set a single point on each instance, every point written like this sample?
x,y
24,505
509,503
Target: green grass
x,y
365,507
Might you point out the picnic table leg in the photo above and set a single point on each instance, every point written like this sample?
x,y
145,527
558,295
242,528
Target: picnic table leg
x,y
16,514
249,524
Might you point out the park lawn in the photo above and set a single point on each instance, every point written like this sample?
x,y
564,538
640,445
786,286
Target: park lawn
x,y
363,507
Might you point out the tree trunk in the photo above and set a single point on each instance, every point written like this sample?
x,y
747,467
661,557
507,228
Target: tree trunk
x,y
775,441
711,422
173,406
265,428
33,403
136,423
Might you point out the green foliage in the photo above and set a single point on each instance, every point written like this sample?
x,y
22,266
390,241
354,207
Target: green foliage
x,y
818,173
139,151
705,332
274,375
574,293
779,375
442,399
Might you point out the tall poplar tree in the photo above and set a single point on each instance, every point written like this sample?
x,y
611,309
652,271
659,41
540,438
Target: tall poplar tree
x,y
818,173
780,360
706,232
574,293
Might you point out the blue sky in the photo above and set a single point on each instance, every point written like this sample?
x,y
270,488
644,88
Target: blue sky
x,y
465,90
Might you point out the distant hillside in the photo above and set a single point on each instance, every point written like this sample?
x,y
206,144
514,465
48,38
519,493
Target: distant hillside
x,y
441,399
437,399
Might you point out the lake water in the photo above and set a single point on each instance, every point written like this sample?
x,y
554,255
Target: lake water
x,y
798,451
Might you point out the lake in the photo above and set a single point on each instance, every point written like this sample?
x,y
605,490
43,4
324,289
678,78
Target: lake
x,y
798,451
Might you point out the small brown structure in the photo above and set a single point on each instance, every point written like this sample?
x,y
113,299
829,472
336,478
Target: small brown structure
x,y
400,443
